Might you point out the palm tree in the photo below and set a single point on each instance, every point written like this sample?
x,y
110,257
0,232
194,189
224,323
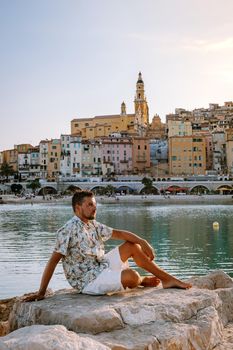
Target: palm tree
x,y
6,170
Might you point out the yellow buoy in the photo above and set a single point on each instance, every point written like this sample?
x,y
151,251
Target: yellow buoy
x,y
215,225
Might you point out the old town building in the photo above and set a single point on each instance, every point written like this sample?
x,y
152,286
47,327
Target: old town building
x,y
54,156
187,155
141,155
229,150
117,154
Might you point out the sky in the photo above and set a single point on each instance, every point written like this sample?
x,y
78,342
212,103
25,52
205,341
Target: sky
x,y
65,59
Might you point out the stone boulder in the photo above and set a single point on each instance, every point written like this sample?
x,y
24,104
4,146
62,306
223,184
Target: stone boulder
x,y
144,318
214,280
6,306
48,338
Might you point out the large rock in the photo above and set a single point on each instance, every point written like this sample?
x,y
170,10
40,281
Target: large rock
x,y
227,341
145,318
6,306
48,338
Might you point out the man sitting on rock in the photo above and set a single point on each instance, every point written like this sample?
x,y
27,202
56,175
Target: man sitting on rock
x,y
80,245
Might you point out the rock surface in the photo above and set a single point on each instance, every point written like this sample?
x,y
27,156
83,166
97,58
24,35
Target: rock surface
x,y
142,319
48,338
6,306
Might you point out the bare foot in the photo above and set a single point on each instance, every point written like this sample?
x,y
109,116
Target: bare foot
x,y
150,281
175,283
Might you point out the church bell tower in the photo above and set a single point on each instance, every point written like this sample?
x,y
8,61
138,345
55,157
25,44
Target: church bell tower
x,y
140,103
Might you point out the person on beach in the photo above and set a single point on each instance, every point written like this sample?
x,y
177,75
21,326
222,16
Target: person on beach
x,y
80,245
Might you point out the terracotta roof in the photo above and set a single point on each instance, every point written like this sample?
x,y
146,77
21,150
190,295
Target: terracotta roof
x,y
102,117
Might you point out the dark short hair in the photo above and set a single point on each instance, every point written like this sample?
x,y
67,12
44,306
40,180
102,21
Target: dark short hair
x,y
79,196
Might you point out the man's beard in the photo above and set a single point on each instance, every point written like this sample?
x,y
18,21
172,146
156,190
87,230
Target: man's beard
x,y
92,216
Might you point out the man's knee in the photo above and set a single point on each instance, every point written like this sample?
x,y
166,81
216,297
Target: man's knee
x,y
130,278
127,250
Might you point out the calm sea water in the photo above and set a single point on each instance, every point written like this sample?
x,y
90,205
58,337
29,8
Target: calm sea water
x,y
183,236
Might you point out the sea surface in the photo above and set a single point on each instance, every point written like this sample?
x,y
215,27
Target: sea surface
x,y
185,241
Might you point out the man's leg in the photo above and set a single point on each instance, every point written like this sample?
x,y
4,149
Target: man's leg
x,y
130,250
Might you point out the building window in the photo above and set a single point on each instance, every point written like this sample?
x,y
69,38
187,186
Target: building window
x,y
138,146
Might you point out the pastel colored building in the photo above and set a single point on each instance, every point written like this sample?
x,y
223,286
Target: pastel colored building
x,y
23,165
91,158
65,162
34,168
141,155
54,156
219,152
117,154
28,163
44,158
179,127
11,158
229,150
187,155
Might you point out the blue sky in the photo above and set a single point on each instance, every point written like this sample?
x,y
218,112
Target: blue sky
x,y
62,59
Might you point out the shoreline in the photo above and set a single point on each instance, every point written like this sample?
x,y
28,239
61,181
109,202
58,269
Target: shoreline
x,y
172,199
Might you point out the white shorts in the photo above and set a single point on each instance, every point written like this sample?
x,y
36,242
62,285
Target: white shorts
x,y
109,280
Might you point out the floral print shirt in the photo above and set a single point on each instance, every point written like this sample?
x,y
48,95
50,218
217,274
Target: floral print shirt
x,y
83,248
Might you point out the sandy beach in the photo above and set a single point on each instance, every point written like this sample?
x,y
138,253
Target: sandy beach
x,y
172,199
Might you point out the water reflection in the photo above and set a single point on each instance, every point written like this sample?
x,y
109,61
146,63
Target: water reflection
x,y
183,237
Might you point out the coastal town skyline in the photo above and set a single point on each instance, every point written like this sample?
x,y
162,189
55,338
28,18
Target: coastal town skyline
x,y
62,61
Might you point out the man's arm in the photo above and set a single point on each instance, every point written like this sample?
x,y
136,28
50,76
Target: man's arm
x,y
46,277
133,238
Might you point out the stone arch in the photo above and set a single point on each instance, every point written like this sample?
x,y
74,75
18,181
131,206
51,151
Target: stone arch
x,y
199,189
174,189
98,190
225,189
47,190
124,189
153,190
71,189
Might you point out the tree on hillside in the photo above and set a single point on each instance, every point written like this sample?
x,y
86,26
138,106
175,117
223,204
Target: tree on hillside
x,y
6,170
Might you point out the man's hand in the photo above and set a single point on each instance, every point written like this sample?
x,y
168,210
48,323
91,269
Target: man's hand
x,y
147,249
37,295
33,297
